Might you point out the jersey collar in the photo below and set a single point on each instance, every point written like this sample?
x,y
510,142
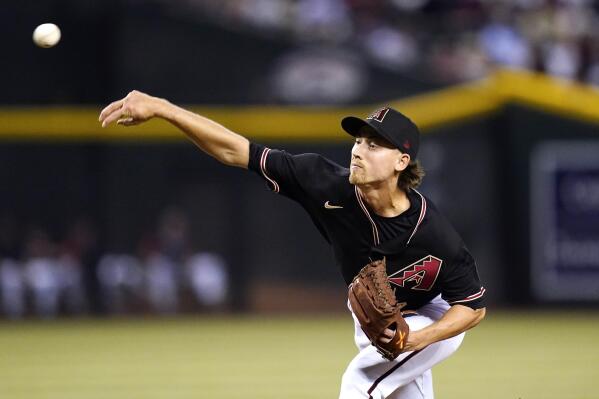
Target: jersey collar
x,y
402,241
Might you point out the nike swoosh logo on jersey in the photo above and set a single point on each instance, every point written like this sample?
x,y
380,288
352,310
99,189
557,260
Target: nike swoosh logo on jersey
x,y
329,206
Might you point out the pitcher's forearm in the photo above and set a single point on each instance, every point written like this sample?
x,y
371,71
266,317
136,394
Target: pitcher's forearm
x,y
216,140
457,320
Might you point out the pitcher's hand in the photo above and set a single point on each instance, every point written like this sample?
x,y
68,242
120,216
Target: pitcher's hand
x,y
134,109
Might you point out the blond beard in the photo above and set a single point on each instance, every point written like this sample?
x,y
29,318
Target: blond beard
x,y
357,178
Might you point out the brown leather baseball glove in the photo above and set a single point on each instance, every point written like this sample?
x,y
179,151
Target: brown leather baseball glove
x,y
373,302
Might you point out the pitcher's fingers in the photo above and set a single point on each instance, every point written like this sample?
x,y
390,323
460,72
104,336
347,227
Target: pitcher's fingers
x,y
115,115
384,340
110,109
389,333
126,122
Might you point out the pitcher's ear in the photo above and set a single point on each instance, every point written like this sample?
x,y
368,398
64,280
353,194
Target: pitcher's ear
x,y
402,162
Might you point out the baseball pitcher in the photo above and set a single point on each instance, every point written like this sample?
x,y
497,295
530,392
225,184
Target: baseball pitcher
x,y
413,286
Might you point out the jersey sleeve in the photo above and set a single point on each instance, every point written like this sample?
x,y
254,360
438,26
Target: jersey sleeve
x,y
284,173
461,284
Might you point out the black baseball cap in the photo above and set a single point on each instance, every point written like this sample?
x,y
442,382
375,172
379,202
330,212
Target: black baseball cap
x,y
391,125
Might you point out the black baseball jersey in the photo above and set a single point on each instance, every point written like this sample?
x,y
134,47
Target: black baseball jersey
x,y
425,255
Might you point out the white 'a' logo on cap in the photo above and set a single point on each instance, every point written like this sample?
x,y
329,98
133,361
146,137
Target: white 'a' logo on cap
x,y
379,114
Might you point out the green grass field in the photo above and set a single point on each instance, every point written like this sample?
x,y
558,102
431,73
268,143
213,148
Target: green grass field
x,y
523,355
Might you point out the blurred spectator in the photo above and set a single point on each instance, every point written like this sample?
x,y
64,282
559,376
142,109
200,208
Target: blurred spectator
x,y
456,62
392,48
209,280
72,291
163,260
12,289
327,20
12,286
77,258
170,266
42,273
162,283
121,282
503,45
269,14
561,58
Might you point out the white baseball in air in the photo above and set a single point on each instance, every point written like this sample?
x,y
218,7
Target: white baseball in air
x,y
46,35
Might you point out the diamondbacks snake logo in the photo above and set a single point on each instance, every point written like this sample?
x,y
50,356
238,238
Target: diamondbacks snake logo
x,y
379,114
420,275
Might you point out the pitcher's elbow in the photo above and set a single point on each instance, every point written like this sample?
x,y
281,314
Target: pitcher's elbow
x,y
480,315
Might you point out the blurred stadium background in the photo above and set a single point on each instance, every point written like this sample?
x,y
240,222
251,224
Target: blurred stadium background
x,y
131,265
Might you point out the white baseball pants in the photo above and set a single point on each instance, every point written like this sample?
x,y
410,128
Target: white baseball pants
x,y
409,376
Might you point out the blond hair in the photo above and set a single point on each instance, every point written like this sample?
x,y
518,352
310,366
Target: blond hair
x,y
411,177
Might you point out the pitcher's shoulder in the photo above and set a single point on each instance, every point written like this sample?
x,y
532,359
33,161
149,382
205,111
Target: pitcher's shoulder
x,y
437,228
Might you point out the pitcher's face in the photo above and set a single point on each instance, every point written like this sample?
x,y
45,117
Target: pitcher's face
x,y
374,160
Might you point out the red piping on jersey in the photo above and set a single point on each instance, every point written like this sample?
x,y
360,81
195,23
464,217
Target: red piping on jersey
x,y
472,297
375,231
391,370
422,213
275,185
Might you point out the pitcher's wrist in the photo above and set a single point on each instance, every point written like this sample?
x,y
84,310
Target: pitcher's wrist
x,y
164,109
